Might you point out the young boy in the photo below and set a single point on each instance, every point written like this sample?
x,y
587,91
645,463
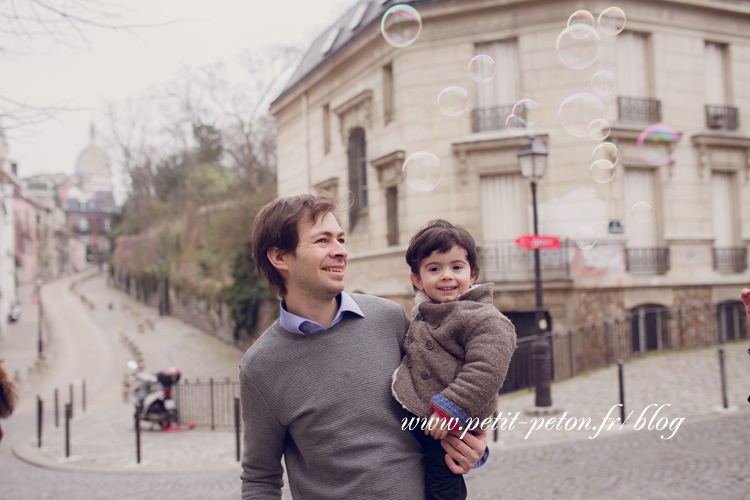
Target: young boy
x,y
458,347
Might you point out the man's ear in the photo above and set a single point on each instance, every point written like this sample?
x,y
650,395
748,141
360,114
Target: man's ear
x,y
416,281
277,258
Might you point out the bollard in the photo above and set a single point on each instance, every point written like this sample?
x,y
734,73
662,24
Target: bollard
x,y
237,425
57,410
138,409
622,391
494,427
70,400
211,383
68,416
39,406
723,378
83,394
541,360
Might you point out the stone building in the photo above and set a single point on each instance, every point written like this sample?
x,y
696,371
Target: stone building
x,y
357,107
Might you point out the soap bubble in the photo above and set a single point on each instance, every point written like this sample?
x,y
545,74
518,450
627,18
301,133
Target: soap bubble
x,y
585,237
602,171
642,211
606,151
527,111
599,129
453,101
482,68
577,46
603,83
401,25
612,21
581,17
422,171
577,112
515,125
658,144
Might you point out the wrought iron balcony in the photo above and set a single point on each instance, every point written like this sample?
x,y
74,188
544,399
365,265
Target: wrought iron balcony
x,y
639,110
722,117
490,118
503,261
647,260
730,260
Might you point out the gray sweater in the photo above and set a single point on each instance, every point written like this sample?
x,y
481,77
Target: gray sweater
x,y
324,402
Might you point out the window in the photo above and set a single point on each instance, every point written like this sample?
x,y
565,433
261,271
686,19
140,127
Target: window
x,y
107,224
83,224
391,211
388,99
639,187
634,66
326,129
649,327
357,175
723,209
717,91
505,87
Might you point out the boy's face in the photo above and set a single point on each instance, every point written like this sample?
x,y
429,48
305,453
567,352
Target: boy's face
x,y
444,276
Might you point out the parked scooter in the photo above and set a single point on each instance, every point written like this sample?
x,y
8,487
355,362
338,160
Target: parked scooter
x,y
153,396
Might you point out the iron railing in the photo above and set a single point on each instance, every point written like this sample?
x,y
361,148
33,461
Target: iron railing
x,y
599,344
647,260
490,118
639,110
722,117
503,261
207,402
730,260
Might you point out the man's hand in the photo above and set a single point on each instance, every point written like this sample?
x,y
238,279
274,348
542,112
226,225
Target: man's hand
x,y
462,455
437,426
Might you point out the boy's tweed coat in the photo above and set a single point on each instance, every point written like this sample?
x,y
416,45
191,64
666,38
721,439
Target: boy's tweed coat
x,y
457,356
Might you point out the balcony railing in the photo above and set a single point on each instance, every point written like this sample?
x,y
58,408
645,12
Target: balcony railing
x,y
730,260
503,261
490,118
722,117
639,110
647,260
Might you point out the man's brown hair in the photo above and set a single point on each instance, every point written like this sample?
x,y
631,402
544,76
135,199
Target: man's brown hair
x,y
440,235
275,225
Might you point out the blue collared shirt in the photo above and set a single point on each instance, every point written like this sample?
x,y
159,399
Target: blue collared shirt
x,y
297,324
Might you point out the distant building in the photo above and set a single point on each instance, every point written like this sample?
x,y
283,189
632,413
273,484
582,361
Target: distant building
x,y
8,184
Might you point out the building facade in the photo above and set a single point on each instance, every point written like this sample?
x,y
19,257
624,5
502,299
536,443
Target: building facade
x,y
357,107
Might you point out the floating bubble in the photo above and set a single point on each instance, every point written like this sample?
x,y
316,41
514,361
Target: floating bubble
x,y
482,68
642,211
515,125
612,21
577,112
527,111
453,101
603,83
422,171
606,151
602,171
401,25
581,17
577,46
658,143
585,237
599,129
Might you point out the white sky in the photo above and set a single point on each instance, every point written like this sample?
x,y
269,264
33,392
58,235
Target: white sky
x,y
116,64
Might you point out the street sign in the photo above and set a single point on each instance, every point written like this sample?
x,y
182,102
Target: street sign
x,y
534,241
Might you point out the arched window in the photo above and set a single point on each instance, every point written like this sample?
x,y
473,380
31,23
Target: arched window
x,y
650,327
357,154
731,321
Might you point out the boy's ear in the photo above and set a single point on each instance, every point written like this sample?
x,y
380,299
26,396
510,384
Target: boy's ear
x,y
277,258
416,281
474,276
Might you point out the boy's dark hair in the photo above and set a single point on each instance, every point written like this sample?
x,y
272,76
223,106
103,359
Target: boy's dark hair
x,y
440,235
275,225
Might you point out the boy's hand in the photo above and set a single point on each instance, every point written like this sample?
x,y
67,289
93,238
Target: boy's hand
x,y
437,426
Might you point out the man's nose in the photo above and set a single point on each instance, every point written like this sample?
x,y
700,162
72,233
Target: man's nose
x,y
339,250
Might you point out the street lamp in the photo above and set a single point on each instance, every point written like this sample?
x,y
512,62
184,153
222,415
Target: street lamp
x,y
532,160
39,281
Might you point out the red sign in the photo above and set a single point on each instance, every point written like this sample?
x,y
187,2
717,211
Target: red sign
x,y
535,241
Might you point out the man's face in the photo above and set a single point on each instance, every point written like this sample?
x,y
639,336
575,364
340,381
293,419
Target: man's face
x,y
317,270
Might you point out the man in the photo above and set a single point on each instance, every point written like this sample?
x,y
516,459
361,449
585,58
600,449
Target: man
x,y
316,386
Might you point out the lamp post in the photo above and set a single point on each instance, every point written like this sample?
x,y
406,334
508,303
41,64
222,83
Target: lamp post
x,y
532,160
39,281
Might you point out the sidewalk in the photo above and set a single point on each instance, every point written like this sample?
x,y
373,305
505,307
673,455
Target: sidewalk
x,y
103,437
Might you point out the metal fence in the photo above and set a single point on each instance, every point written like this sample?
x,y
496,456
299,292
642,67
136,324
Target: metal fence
x,y
599,344
505,261
207,402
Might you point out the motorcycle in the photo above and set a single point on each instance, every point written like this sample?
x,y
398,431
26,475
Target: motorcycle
x,y
153,397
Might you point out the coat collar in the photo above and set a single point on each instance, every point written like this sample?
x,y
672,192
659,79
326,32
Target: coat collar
x,y
477,293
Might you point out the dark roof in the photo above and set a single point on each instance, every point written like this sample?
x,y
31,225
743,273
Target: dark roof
x,y
355,21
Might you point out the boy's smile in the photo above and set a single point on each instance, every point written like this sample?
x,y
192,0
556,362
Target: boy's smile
x,y
444,276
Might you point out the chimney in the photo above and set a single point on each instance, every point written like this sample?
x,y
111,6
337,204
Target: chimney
x,y
14,168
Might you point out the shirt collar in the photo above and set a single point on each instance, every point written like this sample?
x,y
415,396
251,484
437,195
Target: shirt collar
x,y
297,324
